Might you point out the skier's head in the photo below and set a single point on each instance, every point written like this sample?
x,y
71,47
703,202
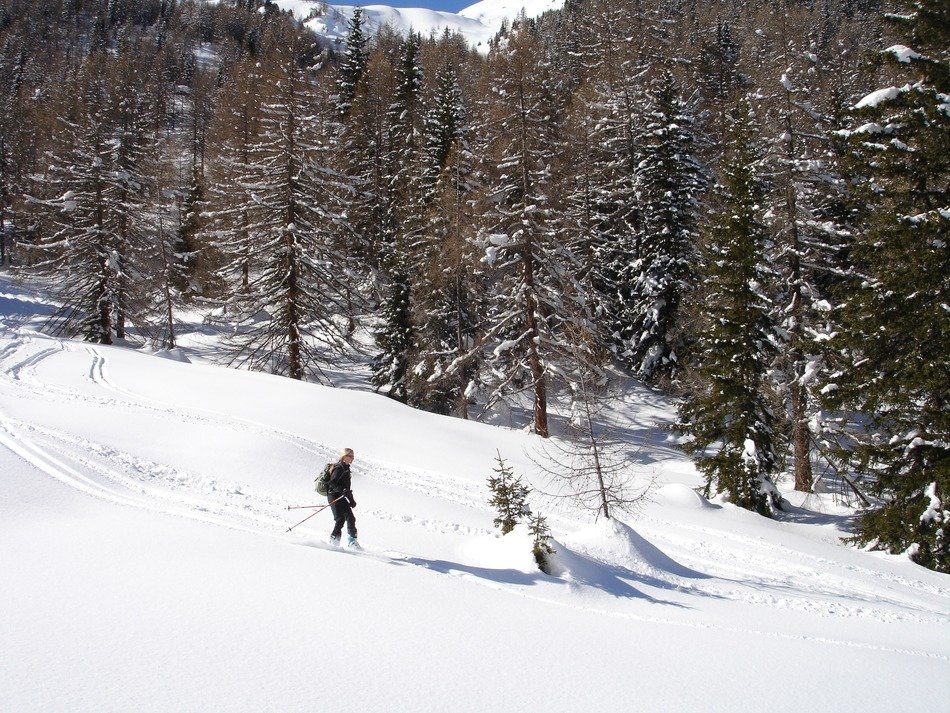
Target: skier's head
x,y
347,453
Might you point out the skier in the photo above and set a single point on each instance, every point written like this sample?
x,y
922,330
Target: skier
x,y
339,490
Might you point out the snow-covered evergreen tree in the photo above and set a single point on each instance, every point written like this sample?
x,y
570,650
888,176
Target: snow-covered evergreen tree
x,y
509,497
601,203
395,336
671,183
894,344
353,65
726,414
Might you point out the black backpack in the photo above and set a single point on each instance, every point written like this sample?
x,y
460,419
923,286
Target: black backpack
x,y
322,481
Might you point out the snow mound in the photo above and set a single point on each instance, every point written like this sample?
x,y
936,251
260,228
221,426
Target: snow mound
x,y
173,355
617,544
678,495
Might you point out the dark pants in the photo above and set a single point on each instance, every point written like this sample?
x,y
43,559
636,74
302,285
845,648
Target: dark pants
x,y
342,513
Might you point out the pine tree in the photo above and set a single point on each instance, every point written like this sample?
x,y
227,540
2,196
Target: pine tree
x,y
671,183
541,547
895,339
509,497
726,413
396,337
353,65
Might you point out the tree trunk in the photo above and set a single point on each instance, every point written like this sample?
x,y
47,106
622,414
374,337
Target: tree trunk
x,y
801,437
536,364
801,440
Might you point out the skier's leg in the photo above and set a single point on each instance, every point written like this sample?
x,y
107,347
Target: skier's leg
x,y
339,517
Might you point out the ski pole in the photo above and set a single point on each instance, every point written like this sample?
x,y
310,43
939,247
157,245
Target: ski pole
x,y
304,507
315,513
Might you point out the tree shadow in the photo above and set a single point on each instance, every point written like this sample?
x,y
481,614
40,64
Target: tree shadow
x,y
19,309
844,522
613,580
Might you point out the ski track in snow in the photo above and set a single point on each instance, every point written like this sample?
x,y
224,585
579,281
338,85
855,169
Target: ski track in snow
x,y
737,566
752,557
22,372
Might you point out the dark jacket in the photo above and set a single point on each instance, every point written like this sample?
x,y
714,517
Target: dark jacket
x,y
339,483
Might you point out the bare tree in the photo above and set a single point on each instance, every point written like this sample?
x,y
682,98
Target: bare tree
x,y
592,463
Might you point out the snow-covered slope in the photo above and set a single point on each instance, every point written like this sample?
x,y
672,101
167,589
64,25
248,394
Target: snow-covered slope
x,y
477,23
145,562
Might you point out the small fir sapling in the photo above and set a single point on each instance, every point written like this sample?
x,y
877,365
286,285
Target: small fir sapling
x,y
541,533
509,497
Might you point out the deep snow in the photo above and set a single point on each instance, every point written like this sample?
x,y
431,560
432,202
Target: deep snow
x,y
146,564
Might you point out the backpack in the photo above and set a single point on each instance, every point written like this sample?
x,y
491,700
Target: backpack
x,y
322,481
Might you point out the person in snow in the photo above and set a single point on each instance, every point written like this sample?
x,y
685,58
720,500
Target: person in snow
x,y
341,500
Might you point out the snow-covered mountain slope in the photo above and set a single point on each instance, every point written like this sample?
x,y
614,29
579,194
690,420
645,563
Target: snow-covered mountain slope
x,y
477,23
145,562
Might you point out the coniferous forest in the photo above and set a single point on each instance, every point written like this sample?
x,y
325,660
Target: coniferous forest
x,y
742,203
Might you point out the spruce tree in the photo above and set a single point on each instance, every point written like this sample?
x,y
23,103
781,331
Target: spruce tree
x,y
895,341
509,497
671,183
395,336
541,547
726,414
353,65
601,214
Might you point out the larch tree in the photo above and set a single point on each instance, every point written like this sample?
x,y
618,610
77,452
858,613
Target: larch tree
x,y
450,285
806,190
287,320
90,231
231,209
539,308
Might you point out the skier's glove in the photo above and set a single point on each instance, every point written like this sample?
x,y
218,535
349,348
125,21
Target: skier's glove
x,y
352,503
